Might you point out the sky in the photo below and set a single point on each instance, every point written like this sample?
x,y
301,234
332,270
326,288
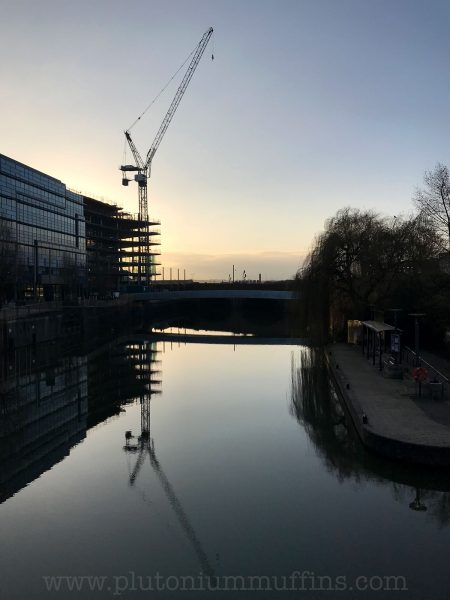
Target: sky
x,y
307,107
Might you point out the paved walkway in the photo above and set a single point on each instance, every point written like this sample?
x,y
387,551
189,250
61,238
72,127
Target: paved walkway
x,y
392,412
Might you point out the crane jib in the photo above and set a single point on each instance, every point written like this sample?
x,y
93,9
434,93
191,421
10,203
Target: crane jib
x,y
179,94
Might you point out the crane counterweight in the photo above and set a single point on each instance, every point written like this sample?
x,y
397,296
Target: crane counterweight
x,y
129,168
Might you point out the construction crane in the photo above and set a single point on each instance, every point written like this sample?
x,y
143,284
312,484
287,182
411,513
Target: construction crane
x,y
142,168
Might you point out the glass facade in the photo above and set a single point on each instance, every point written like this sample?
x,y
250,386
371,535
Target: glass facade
x,y
42,235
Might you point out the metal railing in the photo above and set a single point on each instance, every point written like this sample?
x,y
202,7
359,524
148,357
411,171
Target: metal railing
x,y
436,382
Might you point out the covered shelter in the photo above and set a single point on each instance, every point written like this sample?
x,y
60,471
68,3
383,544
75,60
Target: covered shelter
x,y
374,339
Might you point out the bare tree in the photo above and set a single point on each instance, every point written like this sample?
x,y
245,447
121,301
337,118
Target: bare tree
x,y
434,199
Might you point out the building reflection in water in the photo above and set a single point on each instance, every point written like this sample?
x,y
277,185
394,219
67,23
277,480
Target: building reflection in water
x,y
51,396
121,373
317,407
43,410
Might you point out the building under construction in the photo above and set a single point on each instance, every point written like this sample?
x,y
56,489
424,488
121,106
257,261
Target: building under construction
x,y
122,250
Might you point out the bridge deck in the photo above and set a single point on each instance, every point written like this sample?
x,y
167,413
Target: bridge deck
x,y
164,296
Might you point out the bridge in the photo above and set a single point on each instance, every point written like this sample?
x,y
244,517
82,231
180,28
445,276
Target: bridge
x,y
214,294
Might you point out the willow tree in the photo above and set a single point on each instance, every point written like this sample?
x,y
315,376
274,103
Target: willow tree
x,y
360,259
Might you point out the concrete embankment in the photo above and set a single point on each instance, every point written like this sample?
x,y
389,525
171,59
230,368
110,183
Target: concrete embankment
x,y
389,419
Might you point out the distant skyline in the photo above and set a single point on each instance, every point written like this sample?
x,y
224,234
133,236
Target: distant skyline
x,y
309,106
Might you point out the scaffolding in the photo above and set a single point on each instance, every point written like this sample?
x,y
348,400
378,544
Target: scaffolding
x,y
122,249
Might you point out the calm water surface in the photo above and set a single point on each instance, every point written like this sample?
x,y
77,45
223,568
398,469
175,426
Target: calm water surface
x,y
250,469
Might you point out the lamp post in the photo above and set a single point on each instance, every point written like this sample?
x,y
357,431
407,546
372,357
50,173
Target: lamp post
x,y
416,336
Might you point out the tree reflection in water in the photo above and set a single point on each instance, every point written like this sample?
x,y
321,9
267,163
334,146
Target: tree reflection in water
x,y
317,407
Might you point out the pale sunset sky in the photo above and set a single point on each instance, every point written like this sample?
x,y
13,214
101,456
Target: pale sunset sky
x,y
309,106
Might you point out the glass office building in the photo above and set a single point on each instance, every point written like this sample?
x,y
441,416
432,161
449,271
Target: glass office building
x,y
42,236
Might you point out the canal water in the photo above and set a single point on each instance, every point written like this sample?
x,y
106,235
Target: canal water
x,y
156,468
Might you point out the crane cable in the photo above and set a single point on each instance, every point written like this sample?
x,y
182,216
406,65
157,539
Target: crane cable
x,y
151,104
124,160
159,94
162,90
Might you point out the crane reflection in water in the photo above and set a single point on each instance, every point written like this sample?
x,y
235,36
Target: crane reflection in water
x,y
143,445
